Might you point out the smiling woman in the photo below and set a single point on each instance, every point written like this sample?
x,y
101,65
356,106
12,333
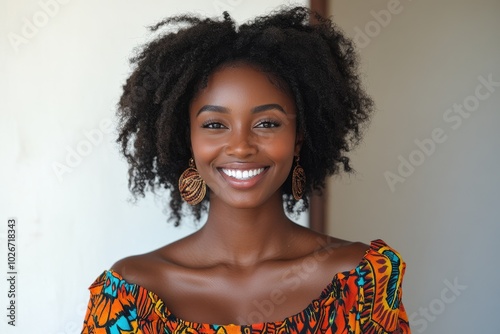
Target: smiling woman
x,y
240,122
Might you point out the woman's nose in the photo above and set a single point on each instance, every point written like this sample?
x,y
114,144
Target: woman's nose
x,y
241,144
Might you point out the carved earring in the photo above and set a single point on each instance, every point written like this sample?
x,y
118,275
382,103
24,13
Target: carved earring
x,y
298,180
191,185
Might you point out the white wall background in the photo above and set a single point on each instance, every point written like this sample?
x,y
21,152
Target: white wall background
x,y
60,81
444,218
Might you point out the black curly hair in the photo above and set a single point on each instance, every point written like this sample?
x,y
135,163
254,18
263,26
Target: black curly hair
x,y
316,61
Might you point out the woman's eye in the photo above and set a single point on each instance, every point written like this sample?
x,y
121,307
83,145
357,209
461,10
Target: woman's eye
x,y
213,125
268,124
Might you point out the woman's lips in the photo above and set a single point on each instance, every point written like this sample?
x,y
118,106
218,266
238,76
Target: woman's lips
x,y
242,174
242,178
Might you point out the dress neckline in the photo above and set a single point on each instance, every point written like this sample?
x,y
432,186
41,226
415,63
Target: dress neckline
x,y
375,245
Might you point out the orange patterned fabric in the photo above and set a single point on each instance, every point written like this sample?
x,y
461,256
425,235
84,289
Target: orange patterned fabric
x,y
366,299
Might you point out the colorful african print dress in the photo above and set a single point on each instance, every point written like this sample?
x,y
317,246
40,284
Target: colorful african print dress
x,y
366,299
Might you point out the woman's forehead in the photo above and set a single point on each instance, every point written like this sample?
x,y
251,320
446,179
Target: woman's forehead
x,y
242,84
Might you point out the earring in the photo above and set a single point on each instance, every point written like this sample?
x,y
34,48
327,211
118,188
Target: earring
x,y
191,185
298,180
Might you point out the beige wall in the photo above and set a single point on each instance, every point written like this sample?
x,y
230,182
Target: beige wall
x,y
428,179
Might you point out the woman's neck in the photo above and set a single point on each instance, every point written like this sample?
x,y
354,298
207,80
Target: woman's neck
x,y
245,237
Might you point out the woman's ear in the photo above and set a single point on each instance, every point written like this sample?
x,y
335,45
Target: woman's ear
x,y
299,138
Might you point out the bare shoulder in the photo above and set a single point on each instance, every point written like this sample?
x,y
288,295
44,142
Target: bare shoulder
x,y
136,268
346,254
337,254
163,264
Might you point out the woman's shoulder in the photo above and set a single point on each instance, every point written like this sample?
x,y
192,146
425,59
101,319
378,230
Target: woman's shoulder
x,y
377,257
128,273
144,269
159,270
134,268
333,254
339,256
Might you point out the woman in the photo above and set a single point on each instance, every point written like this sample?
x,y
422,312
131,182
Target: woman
x,y
244,123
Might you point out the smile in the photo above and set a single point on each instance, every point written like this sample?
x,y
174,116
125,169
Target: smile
x,y
240,174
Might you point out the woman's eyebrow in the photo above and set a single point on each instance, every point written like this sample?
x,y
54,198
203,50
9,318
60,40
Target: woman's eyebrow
x,y
224,110
209,107
265,107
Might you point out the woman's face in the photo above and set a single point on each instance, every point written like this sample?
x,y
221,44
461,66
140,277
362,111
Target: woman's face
x,y
243,136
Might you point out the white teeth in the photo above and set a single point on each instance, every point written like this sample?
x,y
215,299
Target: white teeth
x,y
242,175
